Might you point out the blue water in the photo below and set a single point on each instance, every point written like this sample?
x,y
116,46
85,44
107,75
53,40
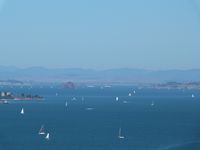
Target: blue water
x,y
173,123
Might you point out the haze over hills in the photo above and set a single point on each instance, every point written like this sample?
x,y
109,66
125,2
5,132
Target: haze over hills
x,y
89,75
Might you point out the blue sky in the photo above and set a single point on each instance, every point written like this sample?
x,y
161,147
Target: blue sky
x,y
100,34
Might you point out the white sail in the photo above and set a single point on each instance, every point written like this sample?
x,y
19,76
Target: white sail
x,y
193,96
41,131
120,134
120,131
74,98
22,111
117,98
129,94
47,136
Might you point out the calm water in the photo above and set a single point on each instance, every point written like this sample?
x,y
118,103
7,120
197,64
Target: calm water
x,y
173,123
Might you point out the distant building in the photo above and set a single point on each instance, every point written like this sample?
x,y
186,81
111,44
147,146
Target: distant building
x,y
5,95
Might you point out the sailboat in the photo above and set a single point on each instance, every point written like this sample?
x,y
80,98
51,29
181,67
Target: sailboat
x,y
74,98
22,111
47,136
66,104
120,134
129,94
152,103
193,96
41,131
117,98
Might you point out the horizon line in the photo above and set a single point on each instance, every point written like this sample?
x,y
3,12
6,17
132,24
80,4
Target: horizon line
x,y
97,69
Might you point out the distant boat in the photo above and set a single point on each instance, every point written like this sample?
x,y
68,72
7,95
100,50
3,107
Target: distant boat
x,y
193,96
129,94
117,98
4,102
22,111
41,131
120,134
89,108
107,86
47,136
152,103
134,92
74,98
90,86
66,104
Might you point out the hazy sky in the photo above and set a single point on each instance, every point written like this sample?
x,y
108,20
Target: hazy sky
x,y
152,34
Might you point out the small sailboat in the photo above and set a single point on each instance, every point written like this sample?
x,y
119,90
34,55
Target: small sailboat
x,y
117,98
47,136
41,131
74,98
66,104
125,102
134,92
120,134
22,111
193,96
129,94
152,103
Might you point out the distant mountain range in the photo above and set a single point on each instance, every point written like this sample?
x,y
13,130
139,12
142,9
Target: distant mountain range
x,y
122,75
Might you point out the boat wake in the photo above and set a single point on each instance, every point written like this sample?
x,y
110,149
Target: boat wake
x,y
192,145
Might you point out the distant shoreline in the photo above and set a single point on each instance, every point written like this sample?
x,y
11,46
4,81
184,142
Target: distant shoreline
x,y
74,85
